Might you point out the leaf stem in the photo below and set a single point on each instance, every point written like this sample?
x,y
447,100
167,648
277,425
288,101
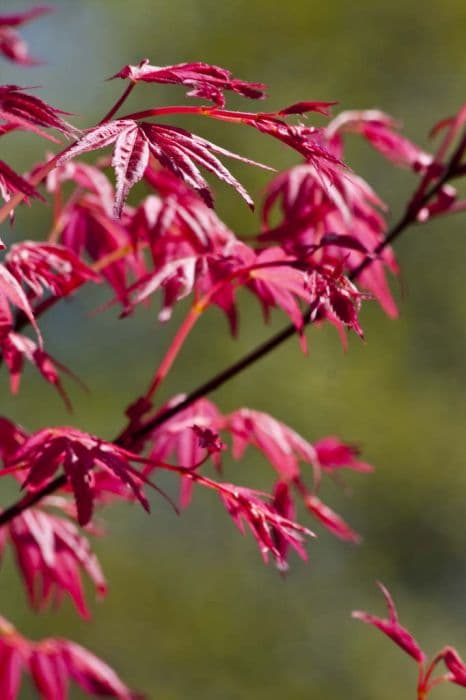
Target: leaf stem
x,y
172,353
118,103
214,112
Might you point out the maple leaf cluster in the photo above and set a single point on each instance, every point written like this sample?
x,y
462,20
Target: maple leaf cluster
x,y
322,248
198,428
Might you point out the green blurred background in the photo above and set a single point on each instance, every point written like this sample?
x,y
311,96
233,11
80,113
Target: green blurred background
x,y
192,612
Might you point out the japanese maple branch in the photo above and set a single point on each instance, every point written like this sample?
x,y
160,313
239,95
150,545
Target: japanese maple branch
x,y
406,220
409,218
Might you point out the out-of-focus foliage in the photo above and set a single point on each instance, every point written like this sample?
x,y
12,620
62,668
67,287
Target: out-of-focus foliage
x,y
191,612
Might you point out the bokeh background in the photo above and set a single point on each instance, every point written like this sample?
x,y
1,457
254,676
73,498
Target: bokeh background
x,y
192,612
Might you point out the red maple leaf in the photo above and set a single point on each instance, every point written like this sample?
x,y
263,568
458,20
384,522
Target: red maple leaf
x,y
47,266
204,80
177,149
282,446
179,437
11,292
16,348
30,112
273,532
51,553
455,665
392,628
11,182
43,453
380,130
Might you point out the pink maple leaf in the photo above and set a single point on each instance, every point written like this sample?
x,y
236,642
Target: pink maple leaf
x,y
43,453
205,81
333,522
177,278
11,183
16,348
309,141
11,437
332,454
175,148
404,639
277,279
88,227
177,223
282,446
51,553
30,112
335,297
273,276
83,175
455,665
11,292
277,284
392,628
285,448
284,505
47,266
380,130
178,438
272,531
323,108
16,19
337,219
